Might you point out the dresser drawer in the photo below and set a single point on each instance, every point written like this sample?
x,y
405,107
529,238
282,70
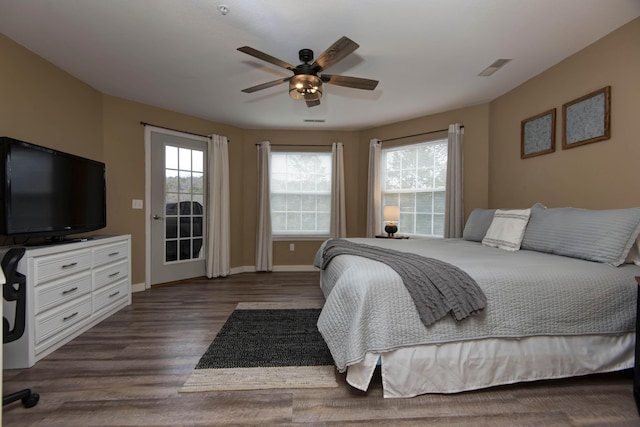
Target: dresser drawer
x,y
110,253
55,293
110,295
58,320
107,275
50,267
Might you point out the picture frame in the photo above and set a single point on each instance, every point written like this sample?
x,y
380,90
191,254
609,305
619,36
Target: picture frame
x,y
538,134
587,119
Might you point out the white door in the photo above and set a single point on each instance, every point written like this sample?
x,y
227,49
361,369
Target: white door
x,y
178,206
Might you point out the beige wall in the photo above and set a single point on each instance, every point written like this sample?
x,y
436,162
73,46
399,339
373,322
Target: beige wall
x,y
42,104
598,175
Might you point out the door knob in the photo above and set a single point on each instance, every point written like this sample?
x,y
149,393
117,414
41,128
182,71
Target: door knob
x,y
156,216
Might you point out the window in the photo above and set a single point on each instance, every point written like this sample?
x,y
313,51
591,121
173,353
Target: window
x,y
300,193
414,178
184,203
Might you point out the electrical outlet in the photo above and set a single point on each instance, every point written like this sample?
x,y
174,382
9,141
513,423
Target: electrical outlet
x,y
292,247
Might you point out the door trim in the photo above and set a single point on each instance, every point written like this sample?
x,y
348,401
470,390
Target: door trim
x,y
147,190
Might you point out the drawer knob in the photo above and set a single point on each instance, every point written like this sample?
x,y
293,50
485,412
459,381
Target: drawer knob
x,y
68,291
114,253
73,264
114,274
114,294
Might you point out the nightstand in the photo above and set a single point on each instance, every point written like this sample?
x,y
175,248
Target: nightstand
x,y
636,367
384,236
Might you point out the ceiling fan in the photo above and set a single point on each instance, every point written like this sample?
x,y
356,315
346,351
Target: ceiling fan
x,y
306,84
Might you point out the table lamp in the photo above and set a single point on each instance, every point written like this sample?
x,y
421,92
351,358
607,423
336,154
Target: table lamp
x,y
391,215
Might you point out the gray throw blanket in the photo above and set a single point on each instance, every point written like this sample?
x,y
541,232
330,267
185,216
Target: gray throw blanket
x,y
436,287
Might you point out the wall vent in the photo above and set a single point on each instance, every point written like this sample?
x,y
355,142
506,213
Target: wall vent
x,y
497,64
314,120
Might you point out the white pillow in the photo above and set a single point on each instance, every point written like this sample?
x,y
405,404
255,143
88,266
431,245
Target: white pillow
x,y
507,229
634,253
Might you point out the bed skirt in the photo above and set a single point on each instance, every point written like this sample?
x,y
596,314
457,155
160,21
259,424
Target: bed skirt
x,y
463,366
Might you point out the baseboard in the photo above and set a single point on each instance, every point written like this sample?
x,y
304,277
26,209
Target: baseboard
x,y
137,287
294,268
243,269
140,287
252,268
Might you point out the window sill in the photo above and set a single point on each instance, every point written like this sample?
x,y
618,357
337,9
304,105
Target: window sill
x,y
298,238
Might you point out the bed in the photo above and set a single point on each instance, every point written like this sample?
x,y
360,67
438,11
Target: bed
x,y
561,304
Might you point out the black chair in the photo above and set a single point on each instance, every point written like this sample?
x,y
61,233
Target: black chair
x,y
14,289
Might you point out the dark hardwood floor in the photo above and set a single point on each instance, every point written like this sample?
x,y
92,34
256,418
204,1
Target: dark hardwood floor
x,y
127,371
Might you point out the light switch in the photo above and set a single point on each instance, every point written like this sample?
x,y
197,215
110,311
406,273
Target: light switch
x,y
136,204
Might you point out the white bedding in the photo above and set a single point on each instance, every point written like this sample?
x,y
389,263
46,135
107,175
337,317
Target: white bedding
x,y
471,365
585,310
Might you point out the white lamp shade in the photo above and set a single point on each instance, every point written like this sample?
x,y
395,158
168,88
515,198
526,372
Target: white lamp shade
x,y
391,213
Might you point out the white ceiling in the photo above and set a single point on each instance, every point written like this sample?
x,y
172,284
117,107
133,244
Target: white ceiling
x,y
181,55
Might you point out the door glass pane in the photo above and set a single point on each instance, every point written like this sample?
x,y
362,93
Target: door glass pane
x,y
185,249
198,161
172,227
172,250
197,226
197,246
184,158
171,160
184,203
185,226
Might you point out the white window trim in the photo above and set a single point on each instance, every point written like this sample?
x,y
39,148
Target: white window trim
x,y
383,175
294,235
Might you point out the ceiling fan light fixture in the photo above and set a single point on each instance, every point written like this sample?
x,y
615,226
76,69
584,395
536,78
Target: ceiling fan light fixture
x,y
305,87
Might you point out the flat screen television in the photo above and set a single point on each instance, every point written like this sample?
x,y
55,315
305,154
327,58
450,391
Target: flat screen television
x,y
48,193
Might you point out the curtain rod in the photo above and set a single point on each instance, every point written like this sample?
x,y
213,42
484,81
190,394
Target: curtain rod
x,y
177,130
417,134
298,145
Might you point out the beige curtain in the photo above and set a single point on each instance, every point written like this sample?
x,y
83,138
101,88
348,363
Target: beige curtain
x,y
218,241
264,244
374,201
454,203
338,208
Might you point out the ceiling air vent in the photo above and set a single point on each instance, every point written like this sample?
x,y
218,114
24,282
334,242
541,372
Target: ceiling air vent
x,y
314,120
497,64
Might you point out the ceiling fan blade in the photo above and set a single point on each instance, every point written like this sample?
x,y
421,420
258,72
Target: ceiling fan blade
x,y
337,51
354,82
261,55
266,85
313,103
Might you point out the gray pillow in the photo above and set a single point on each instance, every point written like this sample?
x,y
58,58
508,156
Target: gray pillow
x,y
595,235
477,225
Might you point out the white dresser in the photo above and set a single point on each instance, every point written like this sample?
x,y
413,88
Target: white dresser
x,y
70,288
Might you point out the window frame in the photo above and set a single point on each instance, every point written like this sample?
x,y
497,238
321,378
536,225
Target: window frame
x,y
294,234
439,172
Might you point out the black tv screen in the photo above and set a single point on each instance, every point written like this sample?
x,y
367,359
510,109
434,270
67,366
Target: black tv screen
x,y
48,193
